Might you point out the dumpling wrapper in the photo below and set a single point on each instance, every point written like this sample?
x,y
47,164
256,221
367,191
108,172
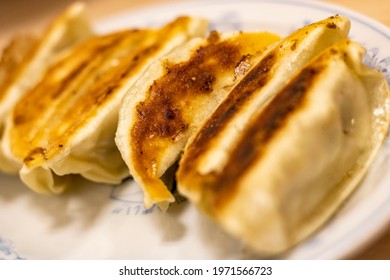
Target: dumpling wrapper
x,y
168,103
26,58
296,159
66,124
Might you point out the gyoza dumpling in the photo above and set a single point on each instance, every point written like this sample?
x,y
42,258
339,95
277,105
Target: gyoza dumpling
x,y
168,103
297,158
27,57
66,124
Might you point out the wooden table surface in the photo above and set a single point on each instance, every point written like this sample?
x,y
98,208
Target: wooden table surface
x,y
21,15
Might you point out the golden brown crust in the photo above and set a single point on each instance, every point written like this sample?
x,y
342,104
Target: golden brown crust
x,y
164,114
67,80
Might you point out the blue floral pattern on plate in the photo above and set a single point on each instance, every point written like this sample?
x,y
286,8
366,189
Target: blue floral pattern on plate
x,y
7,252
372,59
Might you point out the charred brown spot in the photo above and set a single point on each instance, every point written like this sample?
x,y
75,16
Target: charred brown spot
x,y
169,114
293,44
18,119
207,83
35,153
254,140
162,120
331,25
333,51
213,37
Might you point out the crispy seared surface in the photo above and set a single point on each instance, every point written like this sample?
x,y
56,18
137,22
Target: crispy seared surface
x,y
253,142
75,89
231,106
166,115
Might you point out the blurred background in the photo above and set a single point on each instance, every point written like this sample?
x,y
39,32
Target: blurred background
x,y
19,15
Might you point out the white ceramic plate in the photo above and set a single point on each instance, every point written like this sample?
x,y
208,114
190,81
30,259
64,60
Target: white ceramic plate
x,y
109,222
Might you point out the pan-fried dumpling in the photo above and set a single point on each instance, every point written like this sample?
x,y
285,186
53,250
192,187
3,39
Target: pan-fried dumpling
x,y
168,103
27,57
66,124
297,158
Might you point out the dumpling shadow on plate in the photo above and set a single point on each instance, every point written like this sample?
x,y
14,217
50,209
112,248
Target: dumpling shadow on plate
x,y
80,205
